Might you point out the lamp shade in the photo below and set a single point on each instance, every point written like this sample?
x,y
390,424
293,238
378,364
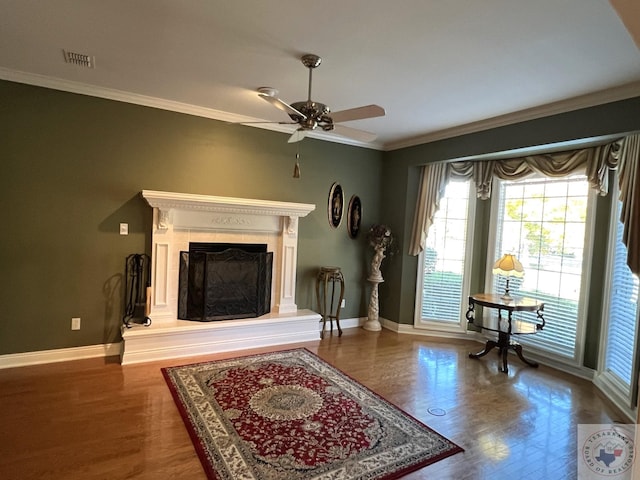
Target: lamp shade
x,y
508,266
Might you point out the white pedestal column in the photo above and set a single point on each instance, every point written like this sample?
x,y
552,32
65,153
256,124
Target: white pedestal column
x,y
373,314
375,277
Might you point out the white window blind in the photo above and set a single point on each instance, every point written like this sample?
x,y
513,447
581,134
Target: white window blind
x,y
444,257
543,222
623,313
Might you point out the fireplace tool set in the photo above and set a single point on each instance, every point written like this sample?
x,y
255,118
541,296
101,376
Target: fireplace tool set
x,y
137,290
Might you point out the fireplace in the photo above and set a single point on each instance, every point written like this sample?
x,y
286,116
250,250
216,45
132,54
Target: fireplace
x,y
181,219
221,281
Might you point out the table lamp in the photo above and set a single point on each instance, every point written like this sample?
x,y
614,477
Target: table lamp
x,y
508,266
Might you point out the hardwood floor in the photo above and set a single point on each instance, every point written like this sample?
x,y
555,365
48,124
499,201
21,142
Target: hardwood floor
x,y
96,419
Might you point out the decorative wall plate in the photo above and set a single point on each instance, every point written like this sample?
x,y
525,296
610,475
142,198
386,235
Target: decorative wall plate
x,y
354,216
336,205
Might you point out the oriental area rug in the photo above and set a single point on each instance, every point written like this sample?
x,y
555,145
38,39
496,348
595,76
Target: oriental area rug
x,y
291,416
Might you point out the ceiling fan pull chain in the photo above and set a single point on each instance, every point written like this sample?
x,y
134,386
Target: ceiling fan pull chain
x,y
296,167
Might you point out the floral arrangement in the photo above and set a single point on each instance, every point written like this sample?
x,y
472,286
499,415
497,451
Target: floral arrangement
x,y
380,236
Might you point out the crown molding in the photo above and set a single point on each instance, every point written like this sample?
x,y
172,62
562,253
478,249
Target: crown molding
x,y
163,104
117,95
622,92
601,97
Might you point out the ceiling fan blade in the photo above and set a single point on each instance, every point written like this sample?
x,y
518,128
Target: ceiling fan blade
x,y
265,122
285,107
359,113
297,136
354,133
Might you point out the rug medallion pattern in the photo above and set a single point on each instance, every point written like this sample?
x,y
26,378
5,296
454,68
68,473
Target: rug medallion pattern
x,y
290,415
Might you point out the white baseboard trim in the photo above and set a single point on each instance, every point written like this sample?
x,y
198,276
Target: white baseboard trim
x,y
545,359
610,391
59,355
346,323
412,330
113,349
41,357
537,356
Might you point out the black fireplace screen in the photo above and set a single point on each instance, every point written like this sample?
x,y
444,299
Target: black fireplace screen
x,y
223,285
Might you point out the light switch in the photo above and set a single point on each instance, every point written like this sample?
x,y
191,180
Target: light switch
x,y
124,229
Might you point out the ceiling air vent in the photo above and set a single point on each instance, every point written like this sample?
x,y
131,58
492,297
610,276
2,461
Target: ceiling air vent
x,y
79,59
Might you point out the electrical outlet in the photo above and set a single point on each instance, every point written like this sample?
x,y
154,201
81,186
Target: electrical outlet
x,y
75,323
124,229
344,302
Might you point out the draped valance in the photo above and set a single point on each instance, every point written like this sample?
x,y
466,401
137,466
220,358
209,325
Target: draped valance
x,y
595,162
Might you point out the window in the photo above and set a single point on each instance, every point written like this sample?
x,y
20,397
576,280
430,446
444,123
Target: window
x,y
545,223
619,332
443,273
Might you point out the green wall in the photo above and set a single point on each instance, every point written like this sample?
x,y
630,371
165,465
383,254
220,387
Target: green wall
x,y
72,168
401,173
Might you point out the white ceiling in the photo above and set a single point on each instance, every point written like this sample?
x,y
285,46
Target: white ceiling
x,y
438,68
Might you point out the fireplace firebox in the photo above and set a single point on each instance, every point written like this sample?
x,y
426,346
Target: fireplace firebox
x,y
221,281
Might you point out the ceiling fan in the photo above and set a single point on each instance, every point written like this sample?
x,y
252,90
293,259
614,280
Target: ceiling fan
x,y
309,115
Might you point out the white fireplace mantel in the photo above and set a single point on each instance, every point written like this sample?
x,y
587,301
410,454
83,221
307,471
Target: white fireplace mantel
x,y
182,218
187,201
230,209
